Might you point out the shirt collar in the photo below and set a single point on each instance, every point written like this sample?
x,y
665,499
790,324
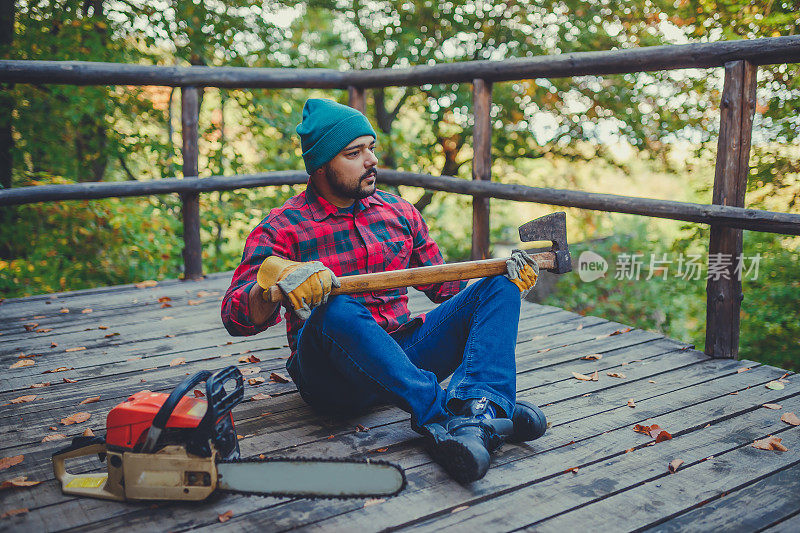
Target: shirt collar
x,y
320,208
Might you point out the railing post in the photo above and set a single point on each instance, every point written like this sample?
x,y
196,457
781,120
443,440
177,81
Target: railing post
x,y
724,294
358,99
481,164
192,249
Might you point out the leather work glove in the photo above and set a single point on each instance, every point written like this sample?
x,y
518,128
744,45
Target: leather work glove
x,y
523,271
306,285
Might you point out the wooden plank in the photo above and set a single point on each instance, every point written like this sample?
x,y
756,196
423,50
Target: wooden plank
x,y
481,164
768,501
695,55
192,247
790,525
724,286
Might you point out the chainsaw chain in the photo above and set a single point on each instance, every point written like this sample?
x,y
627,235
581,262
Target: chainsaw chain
x,y
318,460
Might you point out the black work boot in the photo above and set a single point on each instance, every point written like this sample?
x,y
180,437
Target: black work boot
x,y
462,444
529,423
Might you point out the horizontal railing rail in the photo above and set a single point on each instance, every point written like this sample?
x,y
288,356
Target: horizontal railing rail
x,y
734,217
697,55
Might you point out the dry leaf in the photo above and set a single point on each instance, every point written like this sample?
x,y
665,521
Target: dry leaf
x,y
253,359
167,317
88,432
651,381
616,374
8,462
360,428
775,385
374,501
20,482
580,327
102,327
86,311
595,376
740,370
165,305
574,470
772,406
194,302
76,349
59,369
260,396
54,436
44,330
655,431
620,331
255,381
24,399
53,344
770,443
93,399
146,284
631,403
593,357
177,361
278,378
224,517
64,310
673,466
22,362
250,371
382,450
67,380
30,327
110,335
459,508
40,385
14,512
76,418
582,377
164,299
790,418
199,394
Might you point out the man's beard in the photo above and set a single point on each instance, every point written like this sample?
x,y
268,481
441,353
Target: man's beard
x,y
355,191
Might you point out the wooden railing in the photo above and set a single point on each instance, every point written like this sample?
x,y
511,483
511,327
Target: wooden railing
x,y
726,215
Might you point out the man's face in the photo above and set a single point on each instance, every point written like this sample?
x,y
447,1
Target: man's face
x,y
352,173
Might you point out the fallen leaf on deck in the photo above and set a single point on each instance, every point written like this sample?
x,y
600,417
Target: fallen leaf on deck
x,y
382,450
361,428
790,418
199,394
87,310
260,396
673,466
593,357
44,330
14,512
770,443
146,283
616,374
224,517
40,385
75,349
460,508
582,377
595,376
23,399
169,336
194,302
88,432
580,327
631,403
651,381
574,470
740,370
620,331
54,436
67,380
53,344
76,418
655,431
59,369
250,371
255,381
279,378
775,385
164,299
22,362
772,406
30,327
167,317
64,310
102,327
8,462
253,359
108,336
177,361
374,501
20,482
93,399
165,305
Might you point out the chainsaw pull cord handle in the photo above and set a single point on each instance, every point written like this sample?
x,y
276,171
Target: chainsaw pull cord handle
x,y
162,417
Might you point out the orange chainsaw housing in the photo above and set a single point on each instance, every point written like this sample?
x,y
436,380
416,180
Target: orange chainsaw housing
x,y
127,423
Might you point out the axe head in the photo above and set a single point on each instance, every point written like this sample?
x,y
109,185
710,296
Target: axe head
x,y
553,228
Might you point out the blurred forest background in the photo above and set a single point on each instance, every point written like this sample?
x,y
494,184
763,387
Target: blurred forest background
x,y
648,134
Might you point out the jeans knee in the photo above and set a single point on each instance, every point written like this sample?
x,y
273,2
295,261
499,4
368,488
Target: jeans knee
x,y
502,287
340,312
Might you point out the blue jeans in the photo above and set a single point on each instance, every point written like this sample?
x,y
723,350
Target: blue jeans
x,y
346,363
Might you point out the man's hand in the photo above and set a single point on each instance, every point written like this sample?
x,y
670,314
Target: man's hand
x,y
522,271
306,285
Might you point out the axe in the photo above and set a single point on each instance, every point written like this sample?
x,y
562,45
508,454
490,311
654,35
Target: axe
x,y
552,227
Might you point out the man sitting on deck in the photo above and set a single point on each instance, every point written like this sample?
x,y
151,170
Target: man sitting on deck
x,y
349,353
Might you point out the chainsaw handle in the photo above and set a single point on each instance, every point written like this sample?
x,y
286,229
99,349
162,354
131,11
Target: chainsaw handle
x,y
80,447
162,417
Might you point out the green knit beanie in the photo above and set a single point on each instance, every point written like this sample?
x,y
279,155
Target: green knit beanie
x,y
327,128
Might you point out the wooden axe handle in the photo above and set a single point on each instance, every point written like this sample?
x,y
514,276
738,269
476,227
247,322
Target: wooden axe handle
x,y
394,279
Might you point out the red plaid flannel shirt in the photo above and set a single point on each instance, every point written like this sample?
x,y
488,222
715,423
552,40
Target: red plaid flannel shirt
x,y
384,232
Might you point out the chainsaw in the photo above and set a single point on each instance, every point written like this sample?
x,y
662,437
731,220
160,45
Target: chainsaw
x,y
176,447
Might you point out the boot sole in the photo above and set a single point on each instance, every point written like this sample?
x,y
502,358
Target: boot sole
x,y
458,461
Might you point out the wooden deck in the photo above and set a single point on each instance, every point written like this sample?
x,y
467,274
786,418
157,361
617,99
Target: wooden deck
x,y
590,472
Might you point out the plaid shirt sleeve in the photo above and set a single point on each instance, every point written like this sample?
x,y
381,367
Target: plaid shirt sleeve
x,y
262,242
426,252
